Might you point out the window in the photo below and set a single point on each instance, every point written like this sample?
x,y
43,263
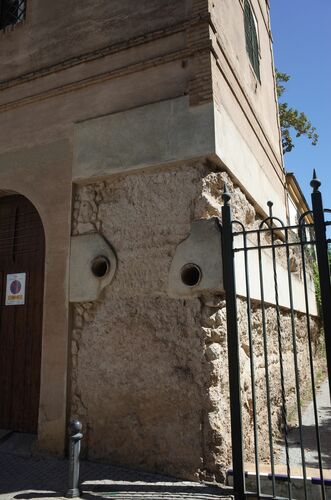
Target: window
x,y
252,42
11,12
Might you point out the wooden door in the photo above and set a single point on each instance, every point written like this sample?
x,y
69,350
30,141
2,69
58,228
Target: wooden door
x,y
22,250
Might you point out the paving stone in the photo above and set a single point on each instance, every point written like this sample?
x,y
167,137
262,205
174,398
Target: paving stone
x,y
23,477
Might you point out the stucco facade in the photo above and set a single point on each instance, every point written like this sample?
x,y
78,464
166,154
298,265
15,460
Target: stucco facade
x,y
125,122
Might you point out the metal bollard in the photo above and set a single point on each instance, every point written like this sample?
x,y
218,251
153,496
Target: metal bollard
x,y
75,428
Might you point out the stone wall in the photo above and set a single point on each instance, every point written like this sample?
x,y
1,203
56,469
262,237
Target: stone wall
x,y
274,373
149,373
139,376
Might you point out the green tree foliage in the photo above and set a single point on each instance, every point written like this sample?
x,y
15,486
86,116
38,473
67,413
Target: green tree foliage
x,y
292,120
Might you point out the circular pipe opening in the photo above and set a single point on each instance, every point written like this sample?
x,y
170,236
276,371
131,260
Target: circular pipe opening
x,y
100,266
191,275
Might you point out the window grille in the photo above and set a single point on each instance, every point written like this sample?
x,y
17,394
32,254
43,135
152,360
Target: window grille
x,y
252,43
11,12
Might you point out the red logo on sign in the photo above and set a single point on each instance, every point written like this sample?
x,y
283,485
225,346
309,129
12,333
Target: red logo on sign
x,y
15,287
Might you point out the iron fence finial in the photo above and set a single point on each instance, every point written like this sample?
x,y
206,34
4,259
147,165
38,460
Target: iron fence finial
x,y
315,183
226,195
270,205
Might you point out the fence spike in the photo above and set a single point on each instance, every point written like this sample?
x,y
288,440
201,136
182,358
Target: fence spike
x,y
226,195
315,183
270,205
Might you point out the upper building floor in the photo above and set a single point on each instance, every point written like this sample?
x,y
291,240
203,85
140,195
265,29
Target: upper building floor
x,y
69,62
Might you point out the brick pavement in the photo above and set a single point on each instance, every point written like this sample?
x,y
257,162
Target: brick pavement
x,y
26,477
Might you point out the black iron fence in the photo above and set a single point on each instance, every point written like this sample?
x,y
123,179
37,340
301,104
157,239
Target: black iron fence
x,y
282,340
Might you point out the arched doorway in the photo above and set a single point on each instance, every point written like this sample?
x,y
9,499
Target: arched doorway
x,y
22,258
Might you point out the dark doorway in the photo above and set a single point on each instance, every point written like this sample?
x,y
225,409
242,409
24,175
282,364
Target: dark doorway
x,y
22,256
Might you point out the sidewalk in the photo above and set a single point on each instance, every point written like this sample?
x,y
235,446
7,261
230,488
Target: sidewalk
x,y
309,434
46,478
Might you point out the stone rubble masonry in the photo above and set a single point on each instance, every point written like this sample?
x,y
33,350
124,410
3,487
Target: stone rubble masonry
x,y
149,373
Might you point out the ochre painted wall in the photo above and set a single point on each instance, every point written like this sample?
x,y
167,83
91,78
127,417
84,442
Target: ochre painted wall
x,y
65,67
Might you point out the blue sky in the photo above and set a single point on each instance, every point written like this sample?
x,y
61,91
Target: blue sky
x,y
302,48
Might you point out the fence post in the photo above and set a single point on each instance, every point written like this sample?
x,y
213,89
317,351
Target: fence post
x,y
76,436
323,266
233,348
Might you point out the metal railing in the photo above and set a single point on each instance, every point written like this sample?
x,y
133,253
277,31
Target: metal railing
x,y
11,12
284,336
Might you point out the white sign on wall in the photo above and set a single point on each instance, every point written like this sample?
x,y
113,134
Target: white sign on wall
x,y
15,289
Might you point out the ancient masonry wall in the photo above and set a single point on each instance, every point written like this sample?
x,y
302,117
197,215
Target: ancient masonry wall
x,y
149,372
